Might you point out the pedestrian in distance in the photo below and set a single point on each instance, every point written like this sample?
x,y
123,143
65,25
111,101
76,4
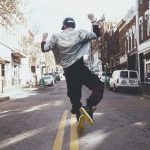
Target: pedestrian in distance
x,y
69,48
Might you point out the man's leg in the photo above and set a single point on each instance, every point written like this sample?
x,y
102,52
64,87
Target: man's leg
x,y
96,96
93,83
75,95
74,86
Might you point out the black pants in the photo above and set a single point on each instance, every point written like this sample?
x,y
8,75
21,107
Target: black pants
x,y
76,76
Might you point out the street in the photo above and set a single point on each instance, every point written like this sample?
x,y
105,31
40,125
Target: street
x,y
41,120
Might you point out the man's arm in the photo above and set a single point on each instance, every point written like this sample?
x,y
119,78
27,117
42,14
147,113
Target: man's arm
x,y
47,46
42,46
95,27
96,30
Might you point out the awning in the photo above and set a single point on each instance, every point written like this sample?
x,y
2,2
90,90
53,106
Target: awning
x,y
3,61
147,54
17,54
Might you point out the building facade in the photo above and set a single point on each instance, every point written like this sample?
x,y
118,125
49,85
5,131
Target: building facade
x,y
127,43
131,41
11,21
143,26
16,46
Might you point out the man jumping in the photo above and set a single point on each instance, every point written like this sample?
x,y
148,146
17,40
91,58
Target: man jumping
x,y
69,47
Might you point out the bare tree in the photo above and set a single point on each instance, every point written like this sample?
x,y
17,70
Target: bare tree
x,y
10,13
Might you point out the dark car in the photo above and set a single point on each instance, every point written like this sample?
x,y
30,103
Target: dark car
x,y
58,76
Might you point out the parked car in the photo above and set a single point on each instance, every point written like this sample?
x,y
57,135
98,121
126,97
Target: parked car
x,y
52,74
96,72
48,79
58,75
104,76
124,79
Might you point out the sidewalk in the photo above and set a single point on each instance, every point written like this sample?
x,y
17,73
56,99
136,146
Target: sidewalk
x,y
10,91
145,90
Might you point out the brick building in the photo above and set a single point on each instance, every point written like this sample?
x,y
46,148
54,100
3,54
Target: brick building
x,y
131,41
143,26
126,45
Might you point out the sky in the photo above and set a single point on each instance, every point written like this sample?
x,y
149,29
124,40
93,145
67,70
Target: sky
x,y
48,15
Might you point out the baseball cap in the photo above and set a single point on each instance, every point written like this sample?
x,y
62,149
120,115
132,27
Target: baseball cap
x,y
68,22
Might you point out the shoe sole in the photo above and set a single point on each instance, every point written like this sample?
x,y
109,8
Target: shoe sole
x,y
80,125
87,117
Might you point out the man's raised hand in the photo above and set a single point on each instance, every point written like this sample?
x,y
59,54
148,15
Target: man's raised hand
x,y
91,18
45,35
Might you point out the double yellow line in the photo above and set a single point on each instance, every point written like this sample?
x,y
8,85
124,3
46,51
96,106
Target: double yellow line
x,y
60,133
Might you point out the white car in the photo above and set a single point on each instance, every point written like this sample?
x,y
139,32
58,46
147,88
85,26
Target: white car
x,y
48,79
104,76
124,79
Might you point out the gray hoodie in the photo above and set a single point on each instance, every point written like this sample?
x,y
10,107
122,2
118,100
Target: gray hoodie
x,y
69,45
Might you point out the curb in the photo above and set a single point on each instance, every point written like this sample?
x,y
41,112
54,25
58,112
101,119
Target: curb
x,y
34,89
146,96
4,98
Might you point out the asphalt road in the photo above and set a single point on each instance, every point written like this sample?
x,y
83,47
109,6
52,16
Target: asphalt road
x,y
41,120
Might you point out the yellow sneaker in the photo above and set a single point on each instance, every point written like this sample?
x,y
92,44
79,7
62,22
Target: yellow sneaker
x,y
87,116
80,125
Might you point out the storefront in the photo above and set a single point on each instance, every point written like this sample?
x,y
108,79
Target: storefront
x,y
16,68
144,59
146,56
5,65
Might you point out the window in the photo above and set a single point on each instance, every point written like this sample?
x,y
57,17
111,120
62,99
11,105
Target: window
x,y
105,74
125,46
127,36
33,69
134,36
141,27
124,74
3,70
133,74
147,18
148,69
130,39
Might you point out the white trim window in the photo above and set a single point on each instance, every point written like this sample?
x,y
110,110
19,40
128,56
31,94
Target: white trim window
x,y
141,27
130,34
125,46
147,18
127,36
134,36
